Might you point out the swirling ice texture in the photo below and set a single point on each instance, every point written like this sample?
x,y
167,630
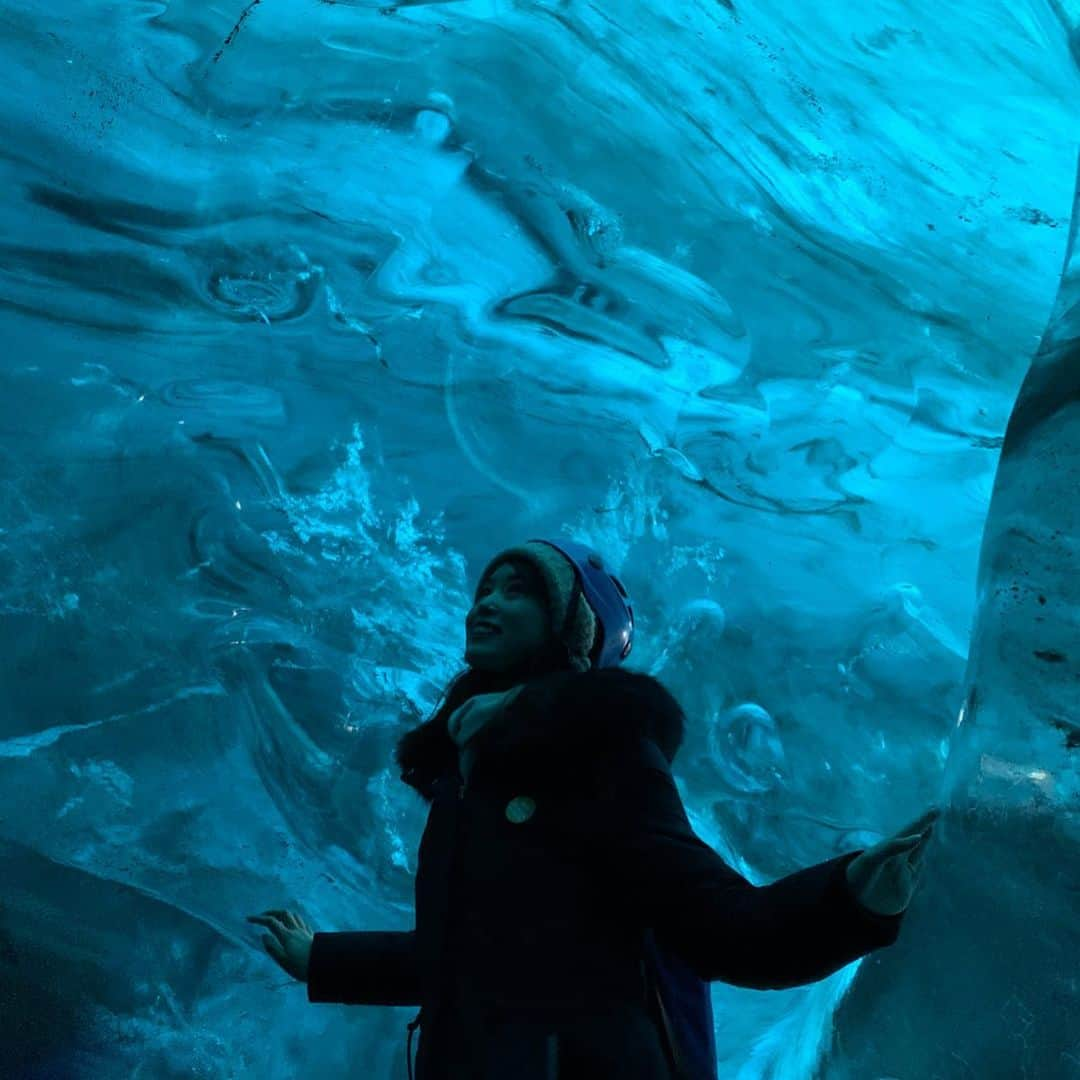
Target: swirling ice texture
x,y
308,307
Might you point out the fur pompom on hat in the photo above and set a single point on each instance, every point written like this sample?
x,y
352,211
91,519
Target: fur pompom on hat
x,y
558,576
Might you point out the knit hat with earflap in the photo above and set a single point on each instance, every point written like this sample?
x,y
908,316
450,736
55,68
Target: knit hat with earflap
x,y
559,577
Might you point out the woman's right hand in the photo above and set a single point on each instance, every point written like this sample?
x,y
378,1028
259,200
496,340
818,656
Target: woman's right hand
x,y
290,944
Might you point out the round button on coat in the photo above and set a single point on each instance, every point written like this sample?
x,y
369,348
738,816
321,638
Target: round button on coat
x,y
520,809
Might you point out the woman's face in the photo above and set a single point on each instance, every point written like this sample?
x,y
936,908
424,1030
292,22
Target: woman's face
x,y
513,600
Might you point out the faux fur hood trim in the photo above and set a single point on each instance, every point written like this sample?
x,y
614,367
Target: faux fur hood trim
x,y
568,722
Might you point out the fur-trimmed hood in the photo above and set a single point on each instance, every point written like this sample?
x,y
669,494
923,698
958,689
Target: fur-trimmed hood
x,y
568,722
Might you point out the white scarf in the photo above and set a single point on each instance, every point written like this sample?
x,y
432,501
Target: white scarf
x,y
468,719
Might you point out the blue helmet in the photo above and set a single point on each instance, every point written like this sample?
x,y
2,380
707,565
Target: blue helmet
x,y
605,594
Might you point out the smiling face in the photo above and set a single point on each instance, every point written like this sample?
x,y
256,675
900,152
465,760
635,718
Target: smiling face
x,y
513,599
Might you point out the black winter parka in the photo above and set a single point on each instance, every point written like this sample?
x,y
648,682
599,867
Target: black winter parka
x,y
537,882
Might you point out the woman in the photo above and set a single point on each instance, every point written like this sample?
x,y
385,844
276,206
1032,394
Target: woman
x,y
565,909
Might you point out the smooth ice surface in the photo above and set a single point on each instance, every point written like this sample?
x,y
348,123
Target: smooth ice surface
x,y
307,308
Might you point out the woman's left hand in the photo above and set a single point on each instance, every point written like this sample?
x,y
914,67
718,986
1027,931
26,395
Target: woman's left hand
x,y
884,876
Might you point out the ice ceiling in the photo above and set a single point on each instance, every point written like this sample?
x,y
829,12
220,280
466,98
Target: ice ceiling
x,y
307,308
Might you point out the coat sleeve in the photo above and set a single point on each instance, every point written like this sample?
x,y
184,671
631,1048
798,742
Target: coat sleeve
x,y
795,931
364,968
